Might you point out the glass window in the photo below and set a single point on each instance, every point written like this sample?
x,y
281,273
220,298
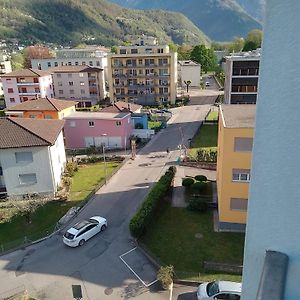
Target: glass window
x,y
49,64
56,64
122,51
212,288
23,157
12,100
27,179
91,124
118,123
81,83
238,204
10,90
243,144
80,74
72,124
71,83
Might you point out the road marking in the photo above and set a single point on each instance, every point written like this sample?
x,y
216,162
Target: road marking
x,y
136,275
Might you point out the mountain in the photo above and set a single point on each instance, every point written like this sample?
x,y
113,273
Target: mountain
x,y
94,21
221,20
254,8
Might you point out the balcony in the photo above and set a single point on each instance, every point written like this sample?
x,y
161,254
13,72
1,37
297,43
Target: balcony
x,y
27,84
29,93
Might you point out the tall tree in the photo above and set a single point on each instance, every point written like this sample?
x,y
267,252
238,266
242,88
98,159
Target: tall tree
x,y
36,51
253,40
204,56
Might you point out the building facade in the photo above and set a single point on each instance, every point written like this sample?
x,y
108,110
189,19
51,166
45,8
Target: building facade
x,y
27,84
241,77
144,73
94,129
5,67
189,70
81,83
32,158
43,108
235,140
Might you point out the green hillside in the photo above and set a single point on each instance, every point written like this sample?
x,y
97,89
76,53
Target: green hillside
x,y
94,21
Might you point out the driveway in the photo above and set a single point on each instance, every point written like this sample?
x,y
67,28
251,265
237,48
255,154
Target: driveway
x,y
48,270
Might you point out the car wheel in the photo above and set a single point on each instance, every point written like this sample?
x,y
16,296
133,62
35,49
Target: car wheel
x,y
103,227
81,242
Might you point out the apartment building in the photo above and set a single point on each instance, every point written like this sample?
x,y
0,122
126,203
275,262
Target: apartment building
x,y
26,84
144,73
5,67
189,70
84,84
241,77
235,139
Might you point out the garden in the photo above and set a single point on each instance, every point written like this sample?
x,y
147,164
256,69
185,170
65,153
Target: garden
x,y
30,219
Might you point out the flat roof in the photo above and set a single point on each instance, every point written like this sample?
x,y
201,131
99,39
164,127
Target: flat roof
x,y
238,115
250,55
97,115
188,63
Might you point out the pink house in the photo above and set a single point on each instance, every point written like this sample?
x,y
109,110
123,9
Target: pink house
x,y
86,129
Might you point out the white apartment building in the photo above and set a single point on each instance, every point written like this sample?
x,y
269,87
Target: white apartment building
x,y
84,84
23,85
144,73
189,70
32,158
5,67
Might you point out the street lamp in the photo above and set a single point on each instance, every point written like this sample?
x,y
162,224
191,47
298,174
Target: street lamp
x,y
104,159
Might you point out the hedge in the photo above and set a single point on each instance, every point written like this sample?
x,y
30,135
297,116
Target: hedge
x,y
198,204
144,215
201,178
198,187
188,181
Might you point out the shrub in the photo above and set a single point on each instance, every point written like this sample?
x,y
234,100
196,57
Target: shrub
x,y
201,178
198,204
165,276
188,182
207,155
71,168
198,187
144,215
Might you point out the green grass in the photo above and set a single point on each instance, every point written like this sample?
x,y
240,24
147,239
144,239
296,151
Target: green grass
x,y
44,219
212,116
154,124
171,239
207,138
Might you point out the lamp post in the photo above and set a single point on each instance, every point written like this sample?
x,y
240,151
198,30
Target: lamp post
x,y
104,159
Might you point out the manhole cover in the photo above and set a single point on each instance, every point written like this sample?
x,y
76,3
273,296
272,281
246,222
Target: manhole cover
x,y
108,291
198,235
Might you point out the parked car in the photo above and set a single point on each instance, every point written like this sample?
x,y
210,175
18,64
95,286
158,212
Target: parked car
x,y
215,290
84,230
207,83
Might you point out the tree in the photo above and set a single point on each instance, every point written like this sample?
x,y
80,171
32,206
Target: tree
x,y
236,45
187,83
184,52
204,56
173,47
113,49
36,51
253,40
249,46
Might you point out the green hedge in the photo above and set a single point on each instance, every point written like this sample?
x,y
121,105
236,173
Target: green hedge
x,y
201,178
188,181
197,204
144,215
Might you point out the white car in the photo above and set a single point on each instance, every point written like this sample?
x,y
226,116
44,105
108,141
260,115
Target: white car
x,y
84,230
216,290
207,83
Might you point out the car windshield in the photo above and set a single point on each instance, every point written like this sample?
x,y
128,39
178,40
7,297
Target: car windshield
x,y
93,221
69,236
212,288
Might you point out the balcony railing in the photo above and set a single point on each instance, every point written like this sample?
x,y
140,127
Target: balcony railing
x,y
29,93
27,83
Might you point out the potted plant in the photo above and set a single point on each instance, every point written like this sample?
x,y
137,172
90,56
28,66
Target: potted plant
x,y
165,276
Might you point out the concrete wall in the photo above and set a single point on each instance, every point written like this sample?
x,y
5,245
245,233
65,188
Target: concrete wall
x,y
274,206
190,73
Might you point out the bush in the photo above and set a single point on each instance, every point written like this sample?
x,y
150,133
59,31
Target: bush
x,y
197,204
165,276
207,155
198,187
144,215
201,178
188,182
71,168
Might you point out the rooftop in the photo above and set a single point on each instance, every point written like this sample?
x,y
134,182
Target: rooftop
x,y
43,104
250,55
19,132
238,115
27,73
188,63
97,115
74,69
122,106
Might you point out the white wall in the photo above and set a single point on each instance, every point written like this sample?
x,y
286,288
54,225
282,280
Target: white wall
x,y
12,83
190,73
274,204
46,86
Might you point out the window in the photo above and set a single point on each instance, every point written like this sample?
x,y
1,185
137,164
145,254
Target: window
x,y
58,75
82,91
72,124
90,63
70,75
238,204
60,92
98,63
83,63
49,64
27,179
118,123
56,64
35,80
243,144
80,74
10,90
76,63
8,80
241,175
1,171
122,51
31,116
59,83
91,124
72,92
12,100
48,117
37,90
81,83
71,83
23,157
134,51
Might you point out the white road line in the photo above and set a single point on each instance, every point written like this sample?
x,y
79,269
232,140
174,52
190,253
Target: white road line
x,y
127,265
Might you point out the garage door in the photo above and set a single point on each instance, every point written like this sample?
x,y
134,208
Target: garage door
x,y
89,141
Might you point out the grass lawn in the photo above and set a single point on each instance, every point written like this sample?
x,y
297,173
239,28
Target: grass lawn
x,y
154,124
212,116
206,138
87,178
171,238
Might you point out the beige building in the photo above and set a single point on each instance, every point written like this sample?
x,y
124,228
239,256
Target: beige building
x,y
84,84
144,73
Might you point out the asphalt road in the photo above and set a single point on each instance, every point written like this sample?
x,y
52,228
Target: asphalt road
x,y
49,269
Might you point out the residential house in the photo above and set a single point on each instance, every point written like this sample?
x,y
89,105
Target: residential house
x,y
26,84
43,108
235,139
5,67
32,156
84,84
144,73
189,70
86,129
241,77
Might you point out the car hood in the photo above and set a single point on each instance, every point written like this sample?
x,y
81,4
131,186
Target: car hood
x,y
201,292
